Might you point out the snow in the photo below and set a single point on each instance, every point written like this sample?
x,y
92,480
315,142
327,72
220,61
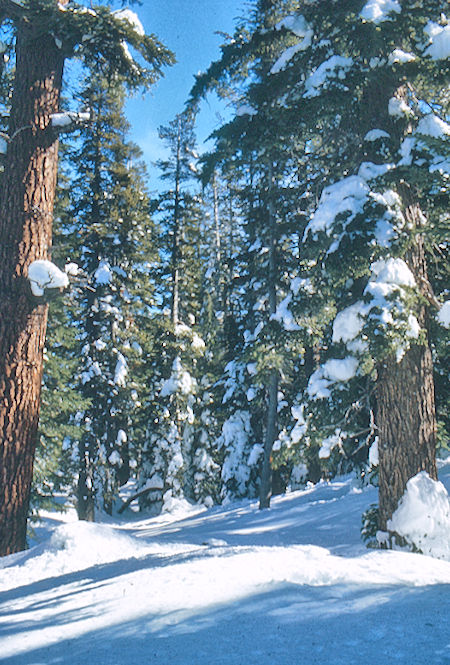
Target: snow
x,y
329,443
443,315
370,171
300,27
297,24
373,453
348,324
121,370
121,437
386,288
423,516
347,195
376,134
400,56
103,275
114,458
246,109
43,275
439,36
393,271
377,11
198,344
235,440
72,269
284,316
398,108
334,67
68,118
286,57
340,370
179,381
431,125
225,586
255,454
331,372
301,426
132,18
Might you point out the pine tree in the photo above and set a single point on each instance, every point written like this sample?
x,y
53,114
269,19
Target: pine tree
x,y
261,146
110,211
167,470
46,33
368,73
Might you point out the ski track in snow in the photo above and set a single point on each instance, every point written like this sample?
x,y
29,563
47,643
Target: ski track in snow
x,y
234,586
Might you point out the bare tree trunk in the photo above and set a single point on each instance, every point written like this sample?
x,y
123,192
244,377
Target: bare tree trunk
x,y
176,235
272,402
26,202
271,434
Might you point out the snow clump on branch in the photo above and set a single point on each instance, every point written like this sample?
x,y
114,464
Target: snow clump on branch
x,y
43,275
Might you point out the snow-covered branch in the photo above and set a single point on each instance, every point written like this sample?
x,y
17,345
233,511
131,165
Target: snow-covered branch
x,y
67,121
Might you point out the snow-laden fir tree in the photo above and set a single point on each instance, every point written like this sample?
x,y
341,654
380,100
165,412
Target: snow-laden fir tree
x,y
111,220
261,149
167,471
371,75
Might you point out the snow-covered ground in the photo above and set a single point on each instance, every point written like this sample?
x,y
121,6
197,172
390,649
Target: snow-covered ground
x,y
234,586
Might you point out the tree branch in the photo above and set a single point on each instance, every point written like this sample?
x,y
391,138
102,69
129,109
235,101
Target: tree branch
x,y
143,492
12,10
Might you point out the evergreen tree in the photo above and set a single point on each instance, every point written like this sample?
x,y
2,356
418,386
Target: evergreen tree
x,y
261,148
47,33
349,86
167,470
372,74
110,212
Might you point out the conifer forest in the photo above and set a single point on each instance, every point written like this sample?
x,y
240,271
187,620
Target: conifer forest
x,y
269,314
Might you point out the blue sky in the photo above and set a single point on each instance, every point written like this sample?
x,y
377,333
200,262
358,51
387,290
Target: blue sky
x,y
188,28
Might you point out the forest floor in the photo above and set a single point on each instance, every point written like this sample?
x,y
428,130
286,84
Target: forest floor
x,y
293,585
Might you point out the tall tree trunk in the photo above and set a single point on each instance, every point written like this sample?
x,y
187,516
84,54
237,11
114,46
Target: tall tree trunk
x,y
85,487
405,394
272,390
26,202
176,234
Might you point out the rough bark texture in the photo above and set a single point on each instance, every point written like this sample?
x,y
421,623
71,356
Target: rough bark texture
x,y
26,202
405,393
407,432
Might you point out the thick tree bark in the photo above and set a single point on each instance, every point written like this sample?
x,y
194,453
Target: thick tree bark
x,y
406,416
407,428
26,203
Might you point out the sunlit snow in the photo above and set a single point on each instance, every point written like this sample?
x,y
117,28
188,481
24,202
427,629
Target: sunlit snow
x,y
228,586
43,275
378,11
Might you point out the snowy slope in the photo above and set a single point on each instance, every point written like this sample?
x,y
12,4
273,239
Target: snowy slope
x,y
232,586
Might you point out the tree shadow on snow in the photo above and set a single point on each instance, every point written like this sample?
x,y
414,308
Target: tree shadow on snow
x,y
288,625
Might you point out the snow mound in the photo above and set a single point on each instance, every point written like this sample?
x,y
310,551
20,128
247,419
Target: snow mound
x,y
423,516
93,544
